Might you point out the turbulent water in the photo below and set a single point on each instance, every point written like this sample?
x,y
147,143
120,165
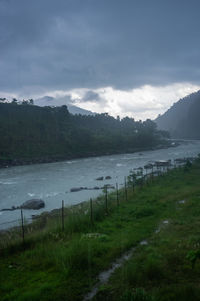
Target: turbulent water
x,y
52,182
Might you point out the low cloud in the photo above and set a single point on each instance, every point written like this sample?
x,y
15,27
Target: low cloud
x,y
91,96
140,103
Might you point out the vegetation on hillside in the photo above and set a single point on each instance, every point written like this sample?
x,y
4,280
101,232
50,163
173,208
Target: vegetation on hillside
x,y
182,119
35,133
57,264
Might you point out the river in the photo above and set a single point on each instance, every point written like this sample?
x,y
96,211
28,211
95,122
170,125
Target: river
x,y
52,182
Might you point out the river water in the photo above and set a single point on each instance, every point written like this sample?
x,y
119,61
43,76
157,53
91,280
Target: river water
x,y
52,182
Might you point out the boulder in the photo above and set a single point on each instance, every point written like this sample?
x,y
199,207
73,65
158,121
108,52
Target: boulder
x,y
8,209
75,189
108,186
99,179
96,187
33,204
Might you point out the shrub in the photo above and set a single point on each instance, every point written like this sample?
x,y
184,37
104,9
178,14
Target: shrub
x,y
137,294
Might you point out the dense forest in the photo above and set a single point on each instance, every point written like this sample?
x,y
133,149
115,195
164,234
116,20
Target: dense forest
x,y
31,134
182,119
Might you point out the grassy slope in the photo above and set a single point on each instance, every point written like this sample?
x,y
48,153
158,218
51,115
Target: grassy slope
x,y
59,265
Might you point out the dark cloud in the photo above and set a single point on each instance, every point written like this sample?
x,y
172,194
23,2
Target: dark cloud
x,y
91,96
74,43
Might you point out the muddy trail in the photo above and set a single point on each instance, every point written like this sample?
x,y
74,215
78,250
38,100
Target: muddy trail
x,y
104,277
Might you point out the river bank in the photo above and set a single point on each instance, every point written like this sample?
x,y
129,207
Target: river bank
x,y
54,182
5,163
162,213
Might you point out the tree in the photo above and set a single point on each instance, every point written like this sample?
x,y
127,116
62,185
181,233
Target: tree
x,y
14,101
25,102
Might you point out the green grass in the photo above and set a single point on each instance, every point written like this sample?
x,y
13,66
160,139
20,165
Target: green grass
x,y
162,270
62,265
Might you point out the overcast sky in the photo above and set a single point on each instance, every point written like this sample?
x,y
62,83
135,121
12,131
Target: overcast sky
x,y
125,57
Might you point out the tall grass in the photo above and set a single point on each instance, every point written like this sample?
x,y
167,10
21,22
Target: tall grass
x,y
62,265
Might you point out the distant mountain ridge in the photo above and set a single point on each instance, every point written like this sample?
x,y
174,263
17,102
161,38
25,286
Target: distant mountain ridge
x,y
60,101
182,120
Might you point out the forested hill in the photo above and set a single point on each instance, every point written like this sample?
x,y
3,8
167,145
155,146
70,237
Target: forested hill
x,y
43,134
182,120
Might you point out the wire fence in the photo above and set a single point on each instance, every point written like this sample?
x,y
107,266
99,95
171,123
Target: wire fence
x,y
89,212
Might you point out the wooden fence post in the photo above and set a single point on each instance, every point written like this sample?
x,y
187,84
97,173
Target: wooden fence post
x,y
142,181
133,188
22,223
152,175
62,215
106,199
125,188
117,194
91,212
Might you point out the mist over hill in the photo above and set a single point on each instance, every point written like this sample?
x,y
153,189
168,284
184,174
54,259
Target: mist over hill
x,y
182,120
61,101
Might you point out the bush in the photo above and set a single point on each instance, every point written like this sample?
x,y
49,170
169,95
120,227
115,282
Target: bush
x,y
137,294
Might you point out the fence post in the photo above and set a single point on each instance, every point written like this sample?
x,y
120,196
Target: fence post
x,y
62,215
106,199
133,188
91,212
152,175
142,181
125,188
117,193
22,220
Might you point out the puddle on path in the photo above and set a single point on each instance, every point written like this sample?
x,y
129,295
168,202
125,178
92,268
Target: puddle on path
x,y
166,222
105,275
182,202
144,243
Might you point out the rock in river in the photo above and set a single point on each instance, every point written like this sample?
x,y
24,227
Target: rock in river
x,y
33,204
99,179
75,189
